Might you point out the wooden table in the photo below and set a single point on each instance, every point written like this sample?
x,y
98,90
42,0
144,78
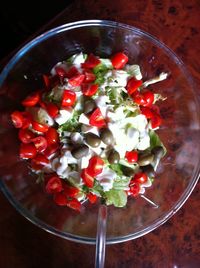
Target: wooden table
x,y
177,242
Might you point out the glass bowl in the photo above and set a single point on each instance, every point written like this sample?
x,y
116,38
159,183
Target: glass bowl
x,y
178,172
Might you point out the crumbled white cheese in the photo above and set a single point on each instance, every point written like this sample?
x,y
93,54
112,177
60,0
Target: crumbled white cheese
x,y
106,178
63,116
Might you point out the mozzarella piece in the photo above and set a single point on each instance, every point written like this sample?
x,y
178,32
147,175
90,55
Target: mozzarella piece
x,y
106,178
44,118
77,59
64,116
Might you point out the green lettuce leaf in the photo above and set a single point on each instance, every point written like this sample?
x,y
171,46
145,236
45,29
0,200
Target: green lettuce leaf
x,y
118,198
155,141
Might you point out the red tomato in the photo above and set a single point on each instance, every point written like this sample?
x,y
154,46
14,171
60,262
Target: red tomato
x,y
51,149
52,109
70,191
25,135
119,60
148,98
31,100
17,119
54,185
132,85
156,121
96,119
131,156
27,119
89,76
36,166
92,198
76,80
27,150
39,127
138,98
87,178
134,189
89,89
60,199
74,204
72,72
68,98
147,112
40,143
95,166
46,80
140,178
52,136
60,71
91,62
40,159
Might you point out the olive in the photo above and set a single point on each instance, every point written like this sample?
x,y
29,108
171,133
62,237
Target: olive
x,y
127,171
92,140
149,170
107,136
88,106
80,151
113,157
145,159
158,152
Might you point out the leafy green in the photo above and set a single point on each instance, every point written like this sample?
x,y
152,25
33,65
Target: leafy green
x,y
72,125
155,141
116,168
100,70
118,198
121,183
114,94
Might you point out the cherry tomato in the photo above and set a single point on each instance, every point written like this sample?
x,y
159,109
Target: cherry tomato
x,y
60,72
52,136
40,143
36,166
140,178
60,199
87,178
39,127
51,149
92,198
27,119
147,112
68,98
131,156
95,166
31,100
132,85
156,121
54,185
17,119
76,80
91,62
96,119
70,191
74,204
72,72
27,150
138,98
25,135
89,89
119,60
134,189
40,159
52,109
148,97
89,76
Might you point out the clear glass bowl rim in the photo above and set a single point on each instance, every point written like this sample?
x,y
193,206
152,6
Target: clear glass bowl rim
x,y
168,51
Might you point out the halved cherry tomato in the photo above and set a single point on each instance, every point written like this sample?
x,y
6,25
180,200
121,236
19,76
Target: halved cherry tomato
x,y
147,112
40,143
70,191
76,80
134,189
95,166
25,135
17,119
92,198
52,136
60,71
119,60
51,149
138,98
27,119
60,199
91,62
156,120
36,166
96,119
40,159
39,127
131,156
89,89
31,100
74,204
89,76
68,98
87,178
52,109
72,72
27,150
148,97
132,85
140,177
54,185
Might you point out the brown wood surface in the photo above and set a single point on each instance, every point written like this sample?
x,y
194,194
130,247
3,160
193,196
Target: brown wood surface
x,y
177,242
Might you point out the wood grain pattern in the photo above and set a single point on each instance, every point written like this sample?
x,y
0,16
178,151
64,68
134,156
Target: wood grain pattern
x,y
177,242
